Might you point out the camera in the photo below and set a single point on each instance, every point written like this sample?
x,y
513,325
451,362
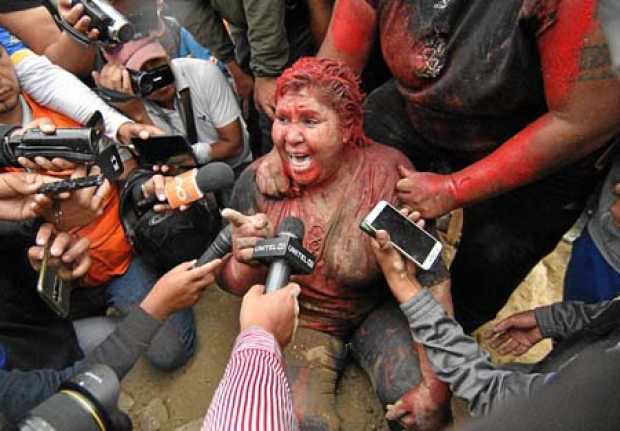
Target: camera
x,y
112,25
146,82
86,402
86,145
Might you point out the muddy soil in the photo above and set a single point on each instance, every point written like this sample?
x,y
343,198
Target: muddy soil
x,y
179,400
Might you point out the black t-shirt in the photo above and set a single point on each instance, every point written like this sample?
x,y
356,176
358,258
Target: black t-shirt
x,y
17,5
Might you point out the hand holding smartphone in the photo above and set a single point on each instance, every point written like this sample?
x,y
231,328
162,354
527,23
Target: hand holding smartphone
x,y
55,292
410,240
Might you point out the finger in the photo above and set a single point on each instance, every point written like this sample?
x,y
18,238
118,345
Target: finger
x,y
60,244
93,34
235,217
45,233
126,82
101,194
43,163
260,221
508,347
82,267
62,164
405,172
499,340
35,256
76,250
617,189
159,183
200,272
504,325
245,255
73,14
246,242
165,169
162,208
395,411
83,24
27,163
255,291
293,289
383,239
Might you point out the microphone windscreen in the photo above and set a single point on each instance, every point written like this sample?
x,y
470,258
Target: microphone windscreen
x,y
291,226
215,176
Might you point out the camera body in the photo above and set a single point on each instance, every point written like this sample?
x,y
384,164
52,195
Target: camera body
x,y
87,401
113,27
86,145
146,82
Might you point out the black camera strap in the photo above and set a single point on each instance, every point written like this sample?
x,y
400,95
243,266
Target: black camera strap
x,y
186,111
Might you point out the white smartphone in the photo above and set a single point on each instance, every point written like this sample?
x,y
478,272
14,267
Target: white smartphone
x,y
410,240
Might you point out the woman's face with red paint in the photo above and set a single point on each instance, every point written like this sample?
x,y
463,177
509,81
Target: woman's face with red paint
x,y
308,137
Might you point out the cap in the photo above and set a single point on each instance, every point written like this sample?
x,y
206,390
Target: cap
x,y
134,54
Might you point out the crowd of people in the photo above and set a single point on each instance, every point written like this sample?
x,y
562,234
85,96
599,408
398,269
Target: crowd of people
x,y
507,110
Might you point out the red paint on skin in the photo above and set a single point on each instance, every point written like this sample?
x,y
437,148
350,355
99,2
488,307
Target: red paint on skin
x,y
561,46
514,163
352,26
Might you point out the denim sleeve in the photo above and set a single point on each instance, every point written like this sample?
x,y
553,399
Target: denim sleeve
x,y
458,361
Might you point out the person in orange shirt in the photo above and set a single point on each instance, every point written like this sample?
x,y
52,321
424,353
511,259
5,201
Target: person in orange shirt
x,y
93,213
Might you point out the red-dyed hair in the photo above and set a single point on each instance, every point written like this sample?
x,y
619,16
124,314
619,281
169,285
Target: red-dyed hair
x,y
336,85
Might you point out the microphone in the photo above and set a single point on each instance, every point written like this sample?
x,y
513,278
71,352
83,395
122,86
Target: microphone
x,y
221,245
284,254
190,186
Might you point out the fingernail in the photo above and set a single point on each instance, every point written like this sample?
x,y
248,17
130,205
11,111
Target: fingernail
x,y
161,197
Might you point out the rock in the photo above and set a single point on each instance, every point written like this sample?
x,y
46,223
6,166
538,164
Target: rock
x,y
194,425
125,402
154,416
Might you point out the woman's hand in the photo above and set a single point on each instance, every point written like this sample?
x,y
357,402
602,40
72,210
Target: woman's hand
x,y
246,231
399,272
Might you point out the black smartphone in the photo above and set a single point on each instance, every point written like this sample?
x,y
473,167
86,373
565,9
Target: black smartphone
x,y
164,149
411,241
56,293
71,184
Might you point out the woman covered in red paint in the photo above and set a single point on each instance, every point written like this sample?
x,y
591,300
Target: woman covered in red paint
x,y
337,176
506,108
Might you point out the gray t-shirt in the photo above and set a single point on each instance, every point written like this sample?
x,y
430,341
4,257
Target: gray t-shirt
x,y
213,102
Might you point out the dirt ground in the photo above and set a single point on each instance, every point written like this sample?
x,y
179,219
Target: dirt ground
x,y
178,401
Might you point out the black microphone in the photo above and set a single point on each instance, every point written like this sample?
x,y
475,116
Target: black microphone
x,y
190,186
221,245
284,254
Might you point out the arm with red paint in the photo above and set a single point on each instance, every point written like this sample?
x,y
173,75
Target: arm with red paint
x,y
583,97
240,270
351,33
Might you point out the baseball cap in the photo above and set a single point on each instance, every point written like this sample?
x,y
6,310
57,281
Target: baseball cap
x,y
135,53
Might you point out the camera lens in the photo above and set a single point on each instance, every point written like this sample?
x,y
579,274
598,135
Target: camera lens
x,y
125,33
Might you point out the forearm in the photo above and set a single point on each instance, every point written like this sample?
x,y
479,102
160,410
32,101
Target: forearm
x,y
457,359
563,319
238,277
57,89
254,389
71,55
22,390
351,33
541,148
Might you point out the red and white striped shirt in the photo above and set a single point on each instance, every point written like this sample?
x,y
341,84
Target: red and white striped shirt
x,y
254,394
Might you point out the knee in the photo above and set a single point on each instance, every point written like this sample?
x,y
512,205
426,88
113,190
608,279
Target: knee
x,y
318,420
169,351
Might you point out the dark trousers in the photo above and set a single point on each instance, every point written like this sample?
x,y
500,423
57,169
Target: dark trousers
x,y
503,237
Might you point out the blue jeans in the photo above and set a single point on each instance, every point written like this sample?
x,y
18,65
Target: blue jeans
x,y
175,343
589,277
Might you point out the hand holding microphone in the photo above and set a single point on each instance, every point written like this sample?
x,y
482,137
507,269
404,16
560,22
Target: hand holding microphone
x,y
182,190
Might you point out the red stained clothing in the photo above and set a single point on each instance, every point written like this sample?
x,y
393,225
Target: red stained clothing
x,y
346,283
491,85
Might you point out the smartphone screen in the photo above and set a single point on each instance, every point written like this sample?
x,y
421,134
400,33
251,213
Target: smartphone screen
x,y
405,234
